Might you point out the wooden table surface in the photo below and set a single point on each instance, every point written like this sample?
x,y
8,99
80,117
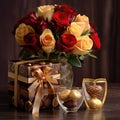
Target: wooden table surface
x,y
110,111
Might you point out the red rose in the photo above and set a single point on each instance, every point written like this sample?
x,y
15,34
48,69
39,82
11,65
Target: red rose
x,y
96,40
31,43
64,15
40,25
66,43
92,28
66,8
62,18
29,19
94,36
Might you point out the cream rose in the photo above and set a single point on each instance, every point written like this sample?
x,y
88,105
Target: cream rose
x,y
21,31
47,41
83,45
84,19
75,29
46,11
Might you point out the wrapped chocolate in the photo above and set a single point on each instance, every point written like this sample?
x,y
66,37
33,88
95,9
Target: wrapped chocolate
x,y
33,83
70,99
94,90
95,103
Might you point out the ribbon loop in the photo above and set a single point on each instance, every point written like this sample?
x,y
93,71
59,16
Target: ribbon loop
x,y
37,73
43,75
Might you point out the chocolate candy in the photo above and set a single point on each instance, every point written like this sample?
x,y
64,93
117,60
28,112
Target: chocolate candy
x,y
94,90
55,102
28,106
74,95
70,103
95,103
64,95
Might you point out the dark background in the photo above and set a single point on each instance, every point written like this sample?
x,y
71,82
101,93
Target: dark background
x,y
103,13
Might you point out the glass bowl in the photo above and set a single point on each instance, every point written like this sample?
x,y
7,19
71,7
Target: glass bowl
x,y
70,99
94,92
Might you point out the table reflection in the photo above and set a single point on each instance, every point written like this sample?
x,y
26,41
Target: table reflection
x,y
94,115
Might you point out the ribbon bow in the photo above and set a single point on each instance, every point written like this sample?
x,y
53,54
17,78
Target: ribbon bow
x,y
42,75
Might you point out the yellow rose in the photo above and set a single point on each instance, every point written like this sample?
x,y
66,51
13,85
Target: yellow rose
x,y
83,45
47,41
82,19
21,31
46,11
75,29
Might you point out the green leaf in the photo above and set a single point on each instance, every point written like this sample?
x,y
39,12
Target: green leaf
x,y
86,32
25,55
74,61
91,55
21,53
82,57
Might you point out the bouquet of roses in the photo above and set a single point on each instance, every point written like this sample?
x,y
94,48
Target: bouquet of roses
x,y
55,32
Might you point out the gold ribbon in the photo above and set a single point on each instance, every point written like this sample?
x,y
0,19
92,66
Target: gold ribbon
x,y
16,85
42,75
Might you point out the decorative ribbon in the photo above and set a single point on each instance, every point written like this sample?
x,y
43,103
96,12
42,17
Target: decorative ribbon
x,y
16,85
37,88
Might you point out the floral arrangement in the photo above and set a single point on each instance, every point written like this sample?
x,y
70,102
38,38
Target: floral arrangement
x,y
55,32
